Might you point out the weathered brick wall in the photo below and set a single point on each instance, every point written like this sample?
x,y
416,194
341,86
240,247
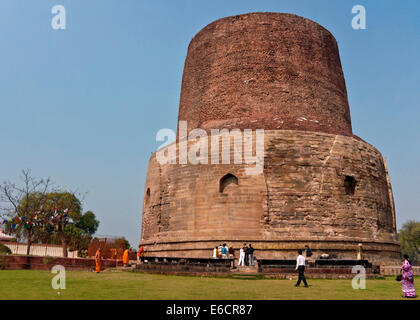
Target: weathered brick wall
x,y
265,70
395,270
306,173
12,262
299,198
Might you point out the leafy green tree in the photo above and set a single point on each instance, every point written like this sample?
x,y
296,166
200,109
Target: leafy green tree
x,y
127,244
66,209
409,238
88,223
78,239
67,225
122,243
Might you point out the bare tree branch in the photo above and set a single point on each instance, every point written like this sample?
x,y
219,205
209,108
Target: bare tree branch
x,y
16,199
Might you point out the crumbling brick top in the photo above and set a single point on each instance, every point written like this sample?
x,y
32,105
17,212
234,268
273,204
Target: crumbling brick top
x,y
268,71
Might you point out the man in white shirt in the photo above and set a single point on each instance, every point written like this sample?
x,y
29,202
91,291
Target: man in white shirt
x,y
300,266
241,258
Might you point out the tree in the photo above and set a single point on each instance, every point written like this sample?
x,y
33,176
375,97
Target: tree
x,y
122,243
78,239
52,216
81,232
409,238
73,228
127,244
23,206
88,223
65,208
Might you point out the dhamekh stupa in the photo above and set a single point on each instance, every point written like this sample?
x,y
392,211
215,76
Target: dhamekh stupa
x,y
321,185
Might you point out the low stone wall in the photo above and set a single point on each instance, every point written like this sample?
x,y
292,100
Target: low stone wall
x,y
181,266
12,262
319,274
395,270
328,268
318,263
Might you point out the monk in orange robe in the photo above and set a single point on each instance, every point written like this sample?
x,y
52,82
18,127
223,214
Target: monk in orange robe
x,y
126,258
98,260
140,254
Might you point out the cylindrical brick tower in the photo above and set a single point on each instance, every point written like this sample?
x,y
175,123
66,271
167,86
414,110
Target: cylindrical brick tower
x,y
266,71
320,184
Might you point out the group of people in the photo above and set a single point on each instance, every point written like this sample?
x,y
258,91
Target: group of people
x,y
246,254
125,258
223,252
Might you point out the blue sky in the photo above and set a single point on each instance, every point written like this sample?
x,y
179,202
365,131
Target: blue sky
x,y
83,105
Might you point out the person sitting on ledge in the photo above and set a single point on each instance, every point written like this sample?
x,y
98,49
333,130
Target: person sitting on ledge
x,y
215,253
231,253
219,251
224,251
325,256
308,251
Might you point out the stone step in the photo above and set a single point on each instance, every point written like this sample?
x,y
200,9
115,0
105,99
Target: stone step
x,y
246,269
246,276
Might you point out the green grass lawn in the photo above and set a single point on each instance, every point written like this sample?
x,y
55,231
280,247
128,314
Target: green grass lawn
x,y
112,284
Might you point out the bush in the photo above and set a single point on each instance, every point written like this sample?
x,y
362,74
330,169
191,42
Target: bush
x,y
4,249
82,254
409,238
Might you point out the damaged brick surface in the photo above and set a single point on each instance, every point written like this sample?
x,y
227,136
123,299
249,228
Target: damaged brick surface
x,y
265,70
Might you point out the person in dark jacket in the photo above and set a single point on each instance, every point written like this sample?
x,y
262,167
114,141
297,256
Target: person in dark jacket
x,y
251,255
246,254
232,256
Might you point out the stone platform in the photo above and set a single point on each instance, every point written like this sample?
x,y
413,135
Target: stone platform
x,y
395,270
265,268
185,266
320,268
300,198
